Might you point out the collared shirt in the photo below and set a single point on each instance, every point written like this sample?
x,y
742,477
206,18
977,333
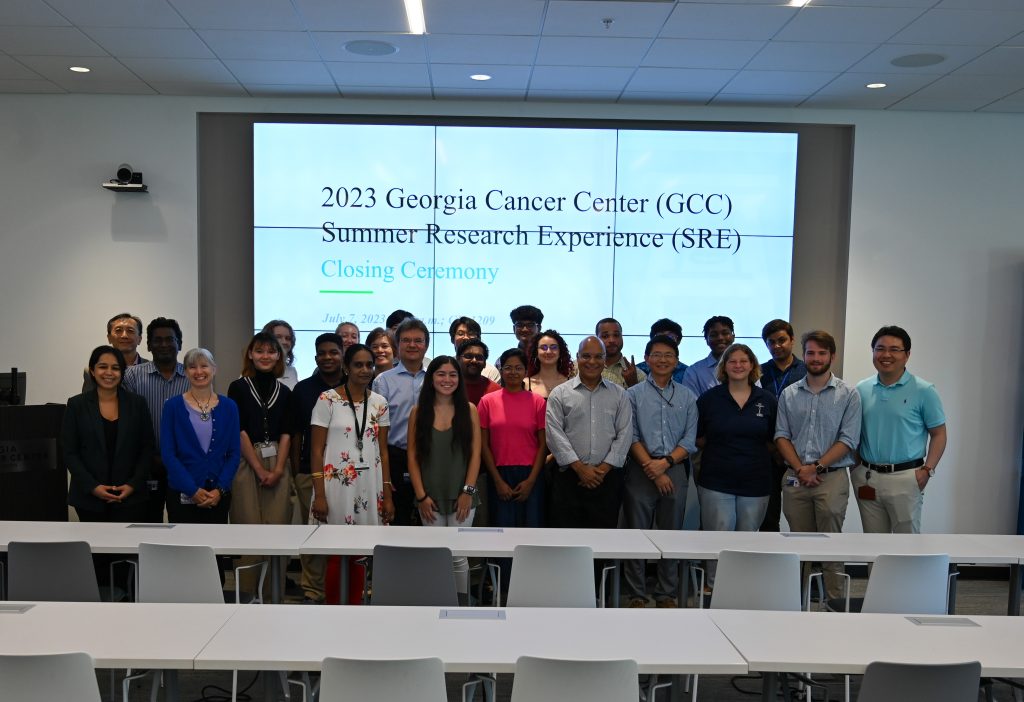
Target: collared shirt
x,y
775,381
592,426
300,411
148,381
700,376
89,384
290,378
615,371
736,458
401,389
677,374
897,417
664,419
815,421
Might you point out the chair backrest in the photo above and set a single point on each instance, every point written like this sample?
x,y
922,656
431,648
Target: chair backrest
x,y
55,571
755,580
410,680
904,682
413,577
552,576
546,679
908,584
49,677
173,573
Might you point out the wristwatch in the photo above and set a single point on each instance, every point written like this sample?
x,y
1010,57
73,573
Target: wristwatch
x,y
668,457
469,489
819,469
931,471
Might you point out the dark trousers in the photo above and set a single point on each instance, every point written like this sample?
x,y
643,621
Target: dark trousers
x,y
405,500
576,507
156,493
114,512
772,518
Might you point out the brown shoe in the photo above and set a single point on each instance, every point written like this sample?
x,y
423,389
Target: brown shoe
x,y
667,603
637,603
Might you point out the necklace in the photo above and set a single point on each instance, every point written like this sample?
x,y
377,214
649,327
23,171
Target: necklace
x,y
204,409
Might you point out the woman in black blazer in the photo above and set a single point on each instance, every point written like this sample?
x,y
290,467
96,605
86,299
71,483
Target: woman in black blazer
x,y
107,438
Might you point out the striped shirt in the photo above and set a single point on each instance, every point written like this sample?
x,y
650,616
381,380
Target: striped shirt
x,y
815,421
148,381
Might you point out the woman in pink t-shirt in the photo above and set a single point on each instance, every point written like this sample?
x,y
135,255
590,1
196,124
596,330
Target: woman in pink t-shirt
x,y
512,424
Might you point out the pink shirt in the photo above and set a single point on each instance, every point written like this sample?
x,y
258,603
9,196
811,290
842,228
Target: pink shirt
x,y
512,419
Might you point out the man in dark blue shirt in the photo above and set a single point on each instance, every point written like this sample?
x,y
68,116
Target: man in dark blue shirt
x,y
780,372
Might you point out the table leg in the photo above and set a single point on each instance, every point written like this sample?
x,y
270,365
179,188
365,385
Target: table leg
x,y
343,581
769,683
276,596
616,582
1013,606
171,685
951,604
683,587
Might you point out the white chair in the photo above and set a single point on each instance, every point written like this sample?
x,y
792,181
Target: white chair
x,y
49,678
758,581
902,682
546,679
908,584
411,680
552,576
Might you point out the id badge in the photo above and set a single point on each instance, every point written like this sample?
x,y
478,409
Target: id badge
x,y
866,492
268,450
361,466
185,499
792,481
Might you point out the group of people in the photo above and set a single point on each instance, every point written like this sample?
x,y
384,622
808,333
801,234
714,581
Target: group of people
x,y
382,434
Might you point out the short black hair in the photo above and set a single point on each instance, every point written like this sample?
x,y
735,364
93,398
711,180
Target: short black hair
x,y
470,343
396,318
94,357
666,325
527,313
412,323
163,323
892,330
718,319
661,339
606,320
124,315
329,337
471,326
775,326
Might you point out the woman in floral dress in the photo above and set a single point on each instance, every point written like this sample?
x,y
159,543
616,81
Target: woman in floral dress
x,y
351,479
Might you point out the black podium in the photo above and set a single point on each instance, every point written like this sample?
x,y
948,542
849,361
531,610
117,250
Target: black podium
x,y
33,479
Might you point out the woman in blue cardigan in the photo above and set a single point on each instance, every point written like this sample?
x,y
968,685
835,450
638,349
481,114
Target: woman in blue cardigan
x,y
199,443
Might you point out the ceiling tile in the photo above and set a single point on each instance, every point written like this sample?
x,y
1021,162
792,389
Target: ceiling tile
x,y
881,58
628,19
709,21
985,88
355,16
331,47
204,89
699,53
1000,61
29,13
574,96
591,51
458,76
280,72
269,46
29,86
48,41
396,92
680,80
355,74
180,70
522,17
487,48
872,101
293,91
978,5
875,3
802,56
864,24
103,69
757,100
118,13
150,43
778,82
1011,103
239,14
579,78
12,70
481,94
963,27
136,87
659,98
898,85
948,104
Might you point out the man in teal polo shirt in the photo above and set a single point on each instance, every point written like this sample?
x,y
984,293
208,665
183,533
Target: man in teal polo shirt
x,y
903,436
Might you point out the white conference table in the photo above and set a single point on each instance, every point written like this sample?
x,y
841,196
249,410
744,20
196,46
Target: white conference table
x,y
661,641
607,544
116,635
840,643
850,548
276,541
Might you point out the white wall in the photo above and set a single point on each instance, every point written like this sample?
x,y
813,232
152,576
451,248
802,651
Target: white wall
x,y
936,246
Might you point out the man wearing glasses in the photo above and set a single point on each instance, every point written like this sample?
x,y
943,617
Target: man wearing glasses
x,y
666,327
124,333
526,321
400,386
903,436
466,328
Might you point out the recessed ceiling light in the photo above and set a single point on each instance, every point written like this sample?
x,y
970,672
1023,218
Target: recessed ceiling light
x,y
370,47
414,14
798,3
480,76
78,69
917,60
875,86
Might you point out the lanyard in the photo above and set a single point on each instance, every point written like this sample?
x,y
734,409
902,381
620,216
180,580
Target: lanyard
x,y
265,405
775,379
668,400
355,417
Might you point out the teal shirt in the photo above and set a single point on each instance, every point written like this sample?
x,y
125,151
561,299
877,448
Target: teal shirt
x,y
896,418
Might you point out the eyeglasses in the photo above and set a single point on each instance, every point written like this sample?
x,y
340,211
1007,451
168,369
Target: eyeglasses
x,y
888,349
659,356
473,357
525,325
548,347
513,370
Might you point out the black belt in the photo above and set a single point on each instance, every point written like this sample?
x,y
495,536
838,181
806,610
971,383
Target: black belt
x,y
829,469
894,467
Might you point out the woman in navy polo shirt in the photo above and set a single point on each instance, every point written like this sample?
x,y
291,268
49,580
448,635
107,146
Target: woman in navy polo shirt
x,y
735,429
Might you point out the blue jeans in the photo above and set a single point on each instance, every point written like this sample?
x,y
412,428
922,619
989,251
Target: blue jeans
x,y
720,511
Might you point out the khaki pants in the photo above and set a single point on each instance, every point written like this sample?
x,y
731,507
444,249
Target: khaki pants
x,y
312,566
897,505
819,509
251,503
